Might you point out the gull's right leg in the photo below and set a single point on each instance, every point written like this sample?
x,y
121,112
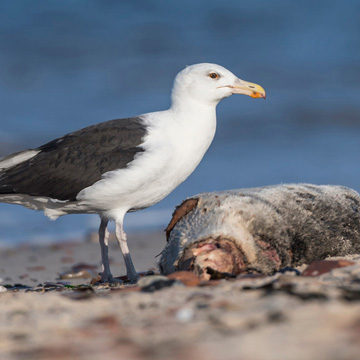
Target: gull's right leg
x,y
131,273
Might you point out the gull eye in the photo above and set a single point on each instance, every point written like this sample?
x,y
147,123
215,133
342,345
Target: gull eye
x,y
214,75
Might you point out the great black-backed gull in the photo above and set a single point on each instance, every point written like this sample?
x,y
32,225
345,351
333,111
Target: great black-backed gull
x,y
123,165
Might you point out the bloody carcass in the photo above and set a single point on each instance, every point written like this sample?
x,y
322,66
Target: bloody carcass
x,y
261,230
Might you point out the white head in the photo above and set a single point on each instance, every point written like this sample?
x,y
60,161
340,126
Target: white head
x,y
210,83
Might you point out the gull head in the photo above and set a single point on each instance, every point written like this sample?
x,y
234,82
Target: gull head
x,y
210,83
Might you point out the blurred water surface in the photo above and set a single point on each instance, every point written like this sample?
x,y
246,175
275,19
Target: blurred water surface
x,y
65,65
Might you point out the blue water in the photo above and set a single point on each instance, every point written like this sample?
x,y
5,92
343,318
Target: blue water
x,y
66,64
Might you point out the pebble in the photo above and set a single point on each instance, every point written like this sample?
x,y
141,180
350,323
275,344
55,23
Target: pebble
x,y
148,280
156,282
185,315
82,274
320,267
188,278
49,284
3,289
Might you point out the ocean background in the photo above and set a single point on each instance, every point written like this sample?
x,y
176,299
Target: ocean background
x,y
68,64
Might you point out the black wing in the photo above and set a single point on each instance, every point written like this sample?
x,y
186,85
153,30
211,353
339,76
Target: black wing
x,y
66,165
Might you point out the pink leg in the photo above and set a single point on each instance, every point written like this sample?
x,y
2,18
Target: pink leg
x,y
121,237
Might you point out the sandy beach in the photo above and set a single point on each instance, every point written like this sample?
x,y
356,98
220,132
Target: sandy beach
x,y
283,316
31,265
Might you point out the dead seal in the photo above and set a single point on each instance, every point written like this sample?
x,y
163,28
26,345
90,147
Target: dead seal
x,y
261,230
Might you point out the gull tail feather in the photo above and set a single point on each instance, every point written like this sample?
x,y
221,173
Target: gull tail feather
x,y
8,162
16,158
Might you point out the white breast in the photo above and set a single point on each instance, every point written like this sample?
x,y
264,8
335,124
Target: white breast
x,y
173,148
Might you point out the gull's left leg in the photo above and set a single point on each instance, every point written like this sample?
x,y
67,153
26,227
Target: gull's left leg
x,y
104,243
121,237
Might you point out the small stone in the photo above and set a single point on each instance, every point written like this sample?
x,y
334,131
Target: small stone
x,y
35,290
155,282
95,280
185,315
148,280
20,287
3,289
320,267
49,284
36,268
81,274
116,285
188,278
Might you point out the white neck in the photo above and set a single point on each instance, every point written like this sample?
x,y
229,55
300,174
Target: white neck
x,y
195,130
181,98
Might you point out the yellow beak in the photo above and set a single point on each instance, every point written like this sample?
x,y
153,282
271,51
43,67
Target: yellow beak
x,y
248,88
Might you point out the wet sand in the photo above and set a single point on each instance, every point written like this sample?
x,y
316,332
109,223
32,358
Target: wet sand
x,y
30,265
283,316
